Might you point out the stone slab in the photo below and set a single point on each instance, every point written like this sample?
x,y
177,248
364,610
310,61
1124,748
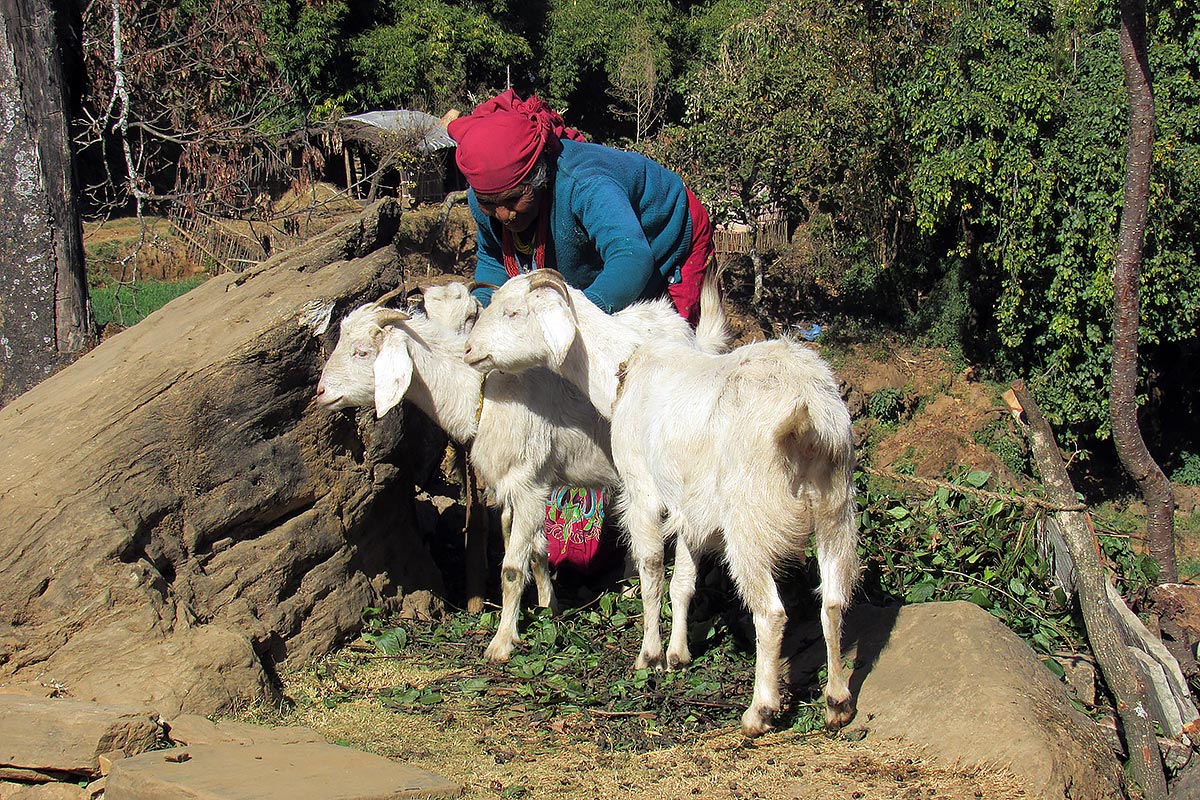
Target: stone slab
x,y
299,771
59,735
45,791
188,729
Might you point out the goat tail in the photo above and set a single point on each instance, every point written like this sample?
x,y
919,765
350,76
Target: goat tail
x,y
813,428
712,329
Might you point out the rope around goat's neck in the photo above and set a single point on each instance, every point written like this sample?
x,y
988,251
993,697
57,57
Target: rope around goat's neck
x,y
1011,499
479,405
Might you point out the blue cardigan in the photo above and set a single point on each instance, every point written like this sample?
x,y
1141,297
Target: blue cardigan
x,y
620,228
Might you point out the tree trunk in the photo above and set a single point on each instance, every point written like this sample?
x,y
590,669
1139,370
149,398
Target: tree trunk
x,y
1120,673
1127,267
44,314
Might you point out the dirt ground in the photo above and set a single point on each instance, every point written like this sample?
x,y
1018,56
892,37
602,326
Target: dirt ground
x,y
515,756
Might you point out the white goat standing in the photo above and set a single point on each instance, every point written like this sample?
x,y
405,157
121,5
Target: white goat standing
x,y
528,433
748,454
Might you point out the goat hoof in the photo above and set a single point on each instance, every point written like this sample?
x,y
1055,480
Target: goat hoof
x,y
498,652
756,722
838,713
678,660
649,662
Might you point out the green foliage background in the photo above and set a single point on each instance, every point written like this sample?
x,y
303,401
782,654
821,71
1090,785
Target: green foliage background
x,y
951,170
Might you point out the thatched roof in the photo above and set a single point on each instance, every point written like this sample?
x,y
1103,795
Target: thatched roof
x,y
383,131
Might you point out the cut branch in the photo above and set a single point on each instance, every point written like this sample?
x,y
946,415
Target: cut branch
x,y
1116,664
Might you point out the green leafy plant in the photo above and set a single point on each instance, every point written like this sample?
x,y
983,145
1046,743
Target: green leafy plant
x,y
888,405
1011,449
1188,471
957,545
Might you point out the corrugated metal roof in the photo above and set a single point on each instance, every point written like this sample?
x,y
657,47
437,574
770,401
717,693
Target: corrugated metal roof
x,y
434,136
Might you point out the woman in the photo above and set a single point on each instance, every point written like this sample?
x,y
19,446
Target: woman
x,y
616,224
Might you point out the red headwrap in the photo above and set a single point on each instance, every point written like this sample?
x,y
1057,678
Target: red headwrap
x,y
500,141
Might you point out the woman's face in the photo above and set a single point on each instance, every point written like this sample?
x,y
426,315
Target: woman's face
x,y
515,209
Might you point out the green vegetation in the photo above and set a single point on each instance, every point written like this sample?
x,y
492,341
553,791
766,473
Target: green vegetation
x,y
887,405
955,545
1012,449
126,304
579,661
1188,471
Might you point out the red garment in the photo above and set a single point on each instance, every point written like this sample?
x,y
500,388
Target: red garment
x,y
500,141
575,534
686,293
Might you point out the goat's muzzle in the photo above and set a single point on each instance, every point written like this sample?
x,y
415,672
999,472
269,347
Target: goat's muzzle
x,y
477,359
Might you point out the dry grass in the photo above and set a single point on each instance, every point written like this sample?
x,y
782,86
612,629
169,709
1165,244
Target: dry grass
x,y
516,754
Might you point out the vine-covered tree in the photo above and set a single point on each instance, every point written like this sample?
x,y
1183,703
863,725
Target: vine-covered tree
x,y
1017,120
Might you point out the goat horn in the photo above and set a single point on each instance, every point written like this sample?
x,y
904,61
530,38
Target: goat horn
x,y
473,285
551,278
389,296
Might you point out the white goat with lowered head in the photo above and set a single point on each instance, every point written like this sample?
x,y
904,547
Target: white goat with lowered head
x,y
748,454
452,305
527,433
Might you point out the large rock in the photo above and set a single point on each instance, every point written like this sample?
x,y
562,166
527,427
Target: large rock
x,y
177,517
953,679
63,739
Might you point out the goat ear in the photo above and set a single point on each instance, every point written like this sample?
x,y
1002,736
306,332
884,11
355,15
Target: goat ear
x,y
558,329
393,373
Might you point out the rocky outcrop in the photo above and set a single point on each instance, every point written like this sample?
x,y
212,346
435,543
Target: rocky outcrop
x,y
177,518
954,680
46,740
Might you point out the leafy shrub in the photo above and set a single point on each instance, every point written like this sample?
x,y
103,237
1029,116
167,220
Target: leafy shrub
x,y
958,546
887,405
1012,450
1188,471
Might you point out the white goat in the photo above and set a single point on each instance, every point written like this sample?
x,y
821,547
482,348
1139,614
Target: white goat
x,y
748,454
527,433
452,305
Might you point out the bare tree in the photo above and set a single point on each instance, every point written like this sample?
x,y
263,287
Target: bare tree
x,y
44,316
182,103
1127,267
636,88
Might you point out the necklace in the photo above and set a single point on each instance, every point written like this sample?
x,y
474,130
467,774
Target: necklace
x,y
523,246
534,250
